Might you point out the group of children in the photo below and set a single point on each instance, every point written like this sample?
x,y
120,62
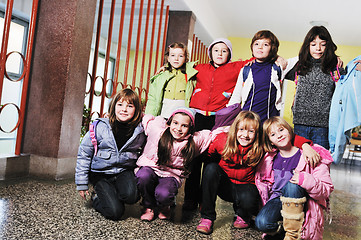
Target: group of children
x,y
256,161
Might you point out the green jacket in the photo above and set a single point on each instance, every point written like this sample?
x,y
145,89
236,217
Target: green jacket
x,y
158,83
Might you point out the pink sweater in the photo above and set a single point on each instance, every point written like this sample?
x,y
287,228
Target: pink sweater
x,y
154,128
317,182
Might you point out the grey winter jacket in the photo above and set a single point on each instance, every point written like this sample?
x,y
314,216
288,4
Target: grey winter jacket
x,y
109,159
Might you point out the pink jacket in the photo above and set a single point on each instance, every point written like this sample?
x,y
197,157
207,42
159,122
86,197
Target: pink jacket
x,y
154,128
317,182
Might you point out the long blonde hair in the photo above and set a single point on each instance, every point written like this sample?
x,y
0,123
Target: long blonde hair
x,y
255,154
278,121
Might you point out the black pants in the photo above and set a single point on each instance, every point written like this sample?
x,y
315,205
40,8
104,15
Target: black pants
x,y
113,191
192,188
245,197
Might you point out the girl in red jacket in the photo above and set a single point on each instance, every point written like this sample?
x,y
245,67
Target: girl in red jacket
x,y
233,178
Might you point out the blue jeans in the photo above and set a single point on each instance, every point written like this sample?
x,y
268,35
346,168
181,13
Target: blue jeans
x,y
113,191
267,219
245,197
318,135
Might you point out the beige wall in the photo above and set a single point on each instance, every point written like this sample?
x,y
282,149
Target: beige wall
x,y
242,50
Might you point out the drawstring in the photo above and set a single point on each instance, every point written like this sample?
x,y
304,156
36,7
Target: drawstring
x,y
269,99
253,87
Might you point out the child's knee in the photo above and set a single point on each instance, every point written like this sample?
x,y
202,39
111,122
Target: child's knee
x,y
144,175
293,190
263,225
132,197
165,197
210,171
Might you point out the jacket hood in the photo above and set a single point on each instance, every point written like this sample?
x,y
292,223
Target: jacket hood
x,y
220,40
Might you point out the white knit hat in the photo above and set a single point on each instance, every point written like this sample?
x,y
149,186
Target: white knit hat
x,y
220,40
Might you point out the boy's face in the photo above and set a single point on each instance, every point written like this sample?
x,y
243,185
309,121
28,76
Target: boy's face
x,y
220,54
317,47
176,57
261,49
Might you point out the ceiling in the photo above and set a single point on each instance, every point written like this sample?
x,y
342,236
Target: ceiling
x,y
289,20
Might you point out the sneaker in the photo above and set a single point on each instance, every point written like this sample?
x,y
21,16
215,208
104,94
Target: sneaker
x,y
205,226
240,223
164,213
148,215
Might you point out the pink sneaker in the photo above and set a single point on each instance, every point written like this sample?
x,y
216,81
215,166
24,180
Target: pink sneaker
x,y
164,213
240,223
205,226
148,215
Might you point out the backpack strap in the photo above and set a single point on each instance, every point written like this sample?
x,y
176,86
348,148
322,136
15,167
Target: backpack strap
x,y
274,66
278,70
246,72
93,136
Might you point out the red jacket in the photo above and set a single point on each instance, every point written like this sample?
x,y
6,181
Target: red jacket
x,y
241,173
215,85
237,173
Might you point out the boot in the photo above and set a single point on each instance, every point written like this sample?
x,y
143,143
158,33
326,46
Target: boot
x,y
293,216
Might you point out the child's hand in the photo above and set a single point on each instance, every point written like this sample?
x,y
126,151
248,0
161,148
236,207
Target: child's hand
x,y
281,62
358,66
311,156
250,62
161,69
339,62
83,194
295,178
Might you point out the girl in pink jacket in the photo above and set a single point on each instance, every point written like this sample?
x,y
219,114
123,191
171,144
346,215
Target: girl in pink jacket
x,y
290,188
165,162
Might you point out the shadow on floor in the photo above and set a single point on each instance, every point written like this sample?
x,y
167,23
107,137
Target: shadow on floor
x,y
37,209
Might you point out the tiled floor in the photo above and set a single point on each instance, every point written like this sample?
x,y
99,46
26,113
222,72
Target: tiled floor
x,y
36,209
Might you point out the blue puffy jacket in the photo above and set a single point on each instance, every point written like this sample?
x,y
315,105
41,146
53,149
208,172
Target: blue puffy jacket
x,y
345,111
109,159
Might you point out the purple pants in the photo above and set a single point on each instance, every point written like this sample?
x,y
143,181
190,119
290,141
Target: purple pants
x,y
156,191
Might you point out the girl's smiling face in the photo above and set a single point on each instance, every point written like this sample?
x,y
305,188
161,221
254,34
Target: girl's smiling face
x,y
317,47
179,126
176,57
279,136
261,49
124,111
246,134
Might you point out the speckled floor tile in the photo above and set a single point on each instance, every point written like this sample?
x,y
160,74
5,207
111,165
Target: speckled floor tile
x,y
37,209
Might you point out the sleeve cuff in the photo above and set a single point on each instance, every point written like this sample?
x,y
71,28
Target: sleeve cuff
x,y
82,187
